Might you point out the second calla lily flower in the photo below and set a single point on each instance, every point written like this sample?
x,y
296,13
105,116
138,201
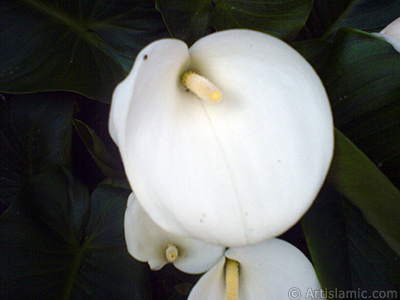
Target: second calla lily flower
x,y
147,242
227,142
273,269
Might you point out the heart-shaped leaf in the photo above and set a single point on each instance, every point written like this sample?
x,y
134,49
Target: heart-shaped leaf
x,y
348,254
190,20
35,133
354,176
57,242
315,51
362,78
81,46
327,16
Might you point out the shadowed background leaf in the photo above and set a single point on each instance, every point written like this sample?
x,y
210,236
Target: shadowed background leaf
x,y
348,253
355,177
82,46
35,133
353,228
190,20
108,164
327,16
362,78
57,242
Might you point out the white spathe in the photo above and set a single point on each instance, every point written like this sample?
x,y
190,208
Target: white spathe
x,y
147,242
273,269
391,33
231,173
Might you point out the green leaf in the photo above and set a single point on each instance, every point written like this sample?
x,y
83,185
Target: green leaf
x,y
327,16
355,177
108,164
358,247
325,231
190,20
58,243
282,19
35,133
187,20
348,254
315,51
362,78
82,46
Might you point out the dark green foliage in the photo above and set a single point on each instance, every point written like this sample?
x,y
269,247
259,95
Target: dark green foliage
x,y
58,242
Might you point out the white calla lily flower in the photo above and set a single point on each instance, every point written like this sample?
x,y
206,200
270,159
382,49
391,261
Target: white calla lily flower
x,y
147,242
273,269
227,142
391,34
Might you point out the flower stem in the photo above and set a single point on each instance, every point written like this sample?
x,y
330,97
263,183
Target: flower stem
x,y
232,279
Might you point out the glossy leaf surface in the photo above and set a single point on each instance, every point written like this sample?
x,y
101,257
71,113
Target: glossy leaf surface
x,y
358,246
81,46
362,78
